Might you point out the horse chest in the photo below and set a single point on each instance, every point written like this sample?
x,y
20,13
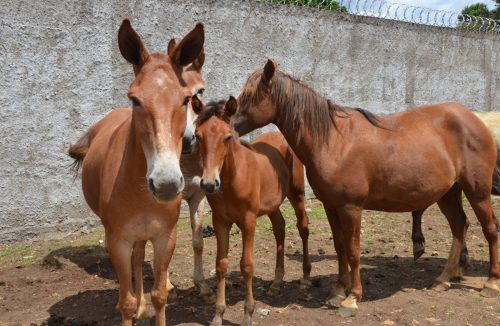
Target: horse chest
x,y
145,226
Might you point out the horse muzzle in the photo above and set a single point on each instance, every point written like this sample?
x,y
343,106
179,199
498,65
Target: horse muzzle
x,y
210,187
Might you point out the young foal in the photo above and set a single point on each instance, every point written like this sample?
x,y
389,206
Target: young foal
x,y
398,163
131,176
243,182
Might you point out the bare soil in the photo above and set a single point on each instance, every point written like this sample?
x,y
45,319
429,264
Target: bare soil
x,y
72,282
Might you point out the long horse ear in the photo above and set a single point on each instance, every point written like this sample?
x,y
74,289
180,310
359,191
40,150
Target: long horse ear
x,y
171,46
189,48
196,104
198,62
269,70
131,46
230,107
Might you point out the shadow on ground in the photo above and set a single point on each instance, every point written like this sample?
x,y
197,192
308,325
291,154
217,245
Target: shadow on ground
x,y
382,277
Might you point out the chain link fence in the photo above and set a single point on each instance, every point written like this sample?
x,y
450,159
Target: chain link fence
x,y
401,12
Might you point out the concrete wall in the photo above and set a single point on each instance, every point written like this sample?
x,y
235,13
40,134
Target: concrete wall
x,y
61,71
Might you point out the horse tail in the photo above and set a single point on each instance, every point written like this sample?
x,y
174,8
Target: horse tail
x,y
78,150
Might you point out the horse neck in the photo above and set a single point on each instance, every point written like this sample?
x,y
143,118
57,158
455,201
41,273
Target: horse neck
x,y
233,161
303,144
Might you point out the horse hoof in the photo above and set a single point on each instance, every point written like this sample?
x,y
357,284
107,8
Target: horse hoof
x,y
217,321
490,291
348,307
418,251
440,286
335,301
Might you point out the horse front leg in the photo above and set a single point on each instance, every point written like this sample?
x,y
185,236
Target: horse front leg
x,y
340,288
196,215
120,252
247,267
163,246
222,235
137,260
350,219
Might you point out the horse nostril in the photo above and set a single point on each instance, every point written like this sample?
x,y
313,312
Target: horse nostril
x,y
217,183
182,179
151,185
193,138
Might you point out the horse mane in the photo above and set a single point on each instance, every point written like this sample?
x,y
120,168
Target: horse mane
x,y
216,108
302,105
212,108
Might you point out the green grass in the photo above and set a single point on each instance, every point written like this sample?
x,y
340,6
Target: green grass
x,y
27,253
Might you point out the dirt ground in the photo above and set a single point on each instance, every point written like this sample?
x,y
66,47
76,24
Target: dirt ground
x,y
72,282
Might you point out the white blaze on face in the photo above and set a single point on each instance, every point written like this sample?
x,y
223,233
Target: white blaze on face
x,y
164,175
189,131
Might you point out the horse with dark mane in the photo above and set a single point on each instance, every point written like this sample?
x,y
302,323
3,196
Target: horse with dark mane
x,y
401,162
243,181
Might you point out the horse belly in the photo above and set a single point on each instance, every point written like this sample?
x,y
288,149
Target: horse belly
x,y
407,199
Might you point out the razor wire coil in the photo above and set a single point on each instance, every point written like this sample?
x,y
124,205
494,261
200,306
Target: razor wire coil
x,y
402,12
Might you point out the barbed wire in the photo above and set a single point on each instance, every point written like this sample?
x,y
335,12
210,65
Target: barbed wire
x,y
402,12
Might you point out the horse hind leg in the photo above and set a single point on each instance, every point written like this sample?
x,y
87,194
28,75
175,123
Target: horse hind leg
x,y
480,200
451,206
417,236
297,201
278,223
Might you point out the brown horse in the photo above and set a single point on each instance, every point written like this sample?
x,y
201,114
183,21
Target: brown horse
x,y
492,121
131,176
242,182
398,163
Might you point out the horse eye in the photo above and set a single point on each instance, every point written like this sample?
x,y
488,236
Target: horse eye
x,y
186,101
200,91
135,101
227,139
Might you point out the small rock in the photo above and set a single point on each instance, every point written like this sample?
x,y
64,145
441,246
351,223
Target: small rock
x,y
212,272
388,322
435,253
433,320
101,241
408,290
263,312
321,251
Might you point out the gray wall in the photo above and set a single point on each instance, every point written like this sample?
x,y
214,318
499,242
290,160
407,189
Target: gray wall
x,y
61,71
